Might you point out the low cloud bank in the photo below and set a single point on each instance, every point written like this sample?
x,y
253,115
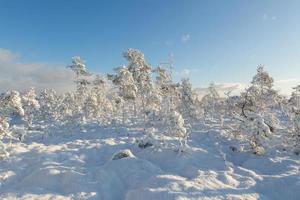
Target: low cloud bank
x,y
21,76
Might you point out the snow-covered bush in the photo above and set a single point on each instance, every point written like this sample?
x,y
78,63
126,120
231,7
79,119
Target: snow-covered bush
x,y
148,139
4,132
178,129
257,133
10,107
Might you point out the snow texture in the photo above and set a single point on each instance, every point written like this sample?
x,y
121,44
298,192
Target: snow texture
x,y
107,164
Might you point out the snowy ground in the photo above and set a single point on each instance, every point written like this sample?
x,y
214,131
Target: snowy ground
x,y
80,166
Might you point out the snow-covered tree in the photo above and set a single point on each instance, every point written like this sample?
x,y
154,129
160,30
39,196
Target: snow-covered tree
x,y
294,120
178,129
91,108
99,85
78,67
30,105
162,78
126,86
68,108
49,105
188,105
294,101
10,107
257,108
82,86
295,136
211,104
4,131
125,82
141,72
154,105
99,97
232,116
261,98
256,132
11,103
169,92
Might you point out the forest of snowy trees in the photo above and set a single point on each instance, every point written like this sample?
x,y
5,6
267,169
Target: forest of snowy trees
x,y
139,95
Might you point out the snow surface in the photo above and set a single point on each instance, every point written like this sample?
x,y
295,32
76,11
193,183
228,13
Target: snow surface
x,y
86,165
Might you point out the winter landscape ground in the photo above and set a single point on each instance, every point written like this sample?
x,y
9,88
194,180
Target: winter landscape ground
x,y
80,166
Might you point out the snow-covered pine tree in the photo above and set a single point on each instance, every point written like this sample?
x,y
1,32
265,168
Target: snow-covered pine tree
x,y
296,132
141,73
163,82
67,108
82,86
169,92
30,105
294,120
210,104
90,108
10,107
153,106
78,67
177,129
49,106
232,116
99,85
257,133
257,108
4,132
12,103
162,78
126,86
294,101
188,103
105,107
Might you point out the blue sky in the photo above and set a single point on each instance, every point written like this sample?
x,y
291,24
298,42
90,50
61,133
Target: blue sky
x,y
212,40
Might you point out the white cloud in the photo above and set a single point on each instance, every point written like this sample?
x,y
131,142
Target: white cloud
x,y
266,17
222,88
21,76
185,38
185,73
225,87
6,56
285,86
168,43
291,80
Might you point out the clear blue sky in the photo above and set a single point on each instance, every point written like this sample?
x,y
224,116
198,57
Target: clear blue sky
x,y
219,40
